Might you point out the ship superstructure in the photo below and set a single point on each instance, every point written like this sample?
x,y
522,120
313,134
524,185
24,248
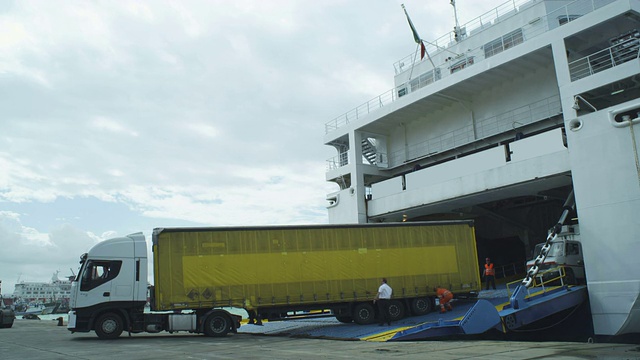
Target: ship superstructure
x,y
499,122
33,291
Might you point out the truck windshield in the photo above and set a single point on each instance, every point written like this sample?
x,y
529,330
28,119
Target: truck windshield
x,y
556,249
536,251
83,263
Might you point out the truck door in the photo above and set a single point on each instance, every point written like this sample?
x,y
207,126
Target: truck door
x,y
100,283
573,258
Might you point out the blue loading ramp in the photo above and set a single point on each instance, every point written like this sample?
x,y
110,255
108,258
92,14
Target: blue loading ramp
x,y
482,317
523,309
494,310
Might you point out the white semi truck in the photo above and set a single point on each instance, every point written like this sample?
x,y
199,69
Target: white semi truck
x,y
272,272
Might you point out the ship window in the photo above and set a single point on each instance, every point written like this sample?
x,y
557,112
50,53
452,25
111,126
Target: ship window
x,y
99,272
461,64
512,39
567,18
503,43
555,249
425,79
573,249
493,48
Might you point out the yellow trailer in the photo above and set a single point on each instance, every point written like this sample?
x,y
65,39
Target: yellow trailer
x,y
276,272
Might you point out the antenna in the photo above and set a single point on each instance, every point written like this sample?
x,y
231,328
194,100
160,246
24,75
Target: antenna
x,y
456,30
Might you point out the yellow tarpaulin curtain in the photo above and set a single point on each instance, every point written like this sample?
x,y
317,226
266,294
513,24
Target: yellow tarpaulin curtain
x,y
249,268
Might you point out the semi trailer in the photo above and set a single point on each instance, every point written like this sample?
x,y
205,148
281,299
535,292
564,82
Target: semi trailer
x,y
272,272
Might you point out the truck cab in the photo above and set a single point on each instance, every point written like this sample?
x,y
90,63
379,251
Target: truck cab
x,y
110,293
111,283
565,251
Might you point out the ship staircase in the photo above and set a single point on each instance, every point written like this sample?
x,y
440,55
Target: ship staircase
x,y
369,151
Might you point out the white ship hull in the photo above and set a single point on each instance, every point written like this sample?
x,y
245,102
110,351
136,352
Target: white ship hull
x,y
531,101
607,188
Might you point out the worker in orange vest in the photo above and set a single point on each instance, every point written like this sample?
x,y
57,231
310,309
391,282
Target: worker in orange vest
x,y
444,297
489,274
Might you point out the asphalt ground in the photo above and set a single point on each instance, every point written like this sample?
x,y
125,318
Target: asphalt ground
x,y
44,339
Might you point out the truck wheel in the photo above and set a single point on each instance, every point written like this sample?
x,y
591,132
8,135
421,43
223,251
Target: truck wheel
x,y
364,314
344,319
396,310
217,325
109,326
421,306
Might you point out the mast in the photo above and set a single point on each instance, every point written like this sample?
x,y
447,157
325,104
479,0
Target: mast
x,y
456,30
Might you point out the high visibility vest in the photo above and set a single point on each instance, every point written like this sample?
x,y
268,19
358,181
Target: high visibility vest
x,y
489,270
442,292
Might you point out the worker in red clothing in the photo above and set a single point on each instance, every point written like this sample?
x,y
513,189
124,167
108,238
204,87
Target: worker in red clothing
x,y
489,274
444,297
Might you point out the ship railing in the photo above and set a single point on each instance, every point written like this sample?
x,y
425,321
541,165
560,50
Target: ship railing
x,y
338,161
377,102
507,121
605,59
545,280
560,16
510,270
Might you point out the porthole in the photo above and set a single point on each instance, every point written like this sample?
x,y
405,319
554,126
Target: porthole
x,y
575,124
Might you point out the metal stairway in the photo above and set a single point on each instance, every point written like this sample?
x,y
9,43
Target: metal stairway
x,y
369,151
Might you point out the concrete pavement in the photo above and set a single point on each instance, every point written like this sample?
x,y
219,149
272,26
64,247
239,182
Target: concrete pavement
x,y
42,340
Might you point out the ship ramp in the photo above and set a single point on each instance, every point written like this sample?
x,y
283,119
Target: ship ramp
x,y
499,310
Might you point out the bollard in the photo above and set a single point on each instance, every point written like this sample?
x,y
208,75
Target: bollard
x,y
60,321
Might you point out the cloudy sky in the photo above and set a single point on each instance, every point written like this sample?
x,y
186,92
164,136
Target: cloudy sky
x,y
121,116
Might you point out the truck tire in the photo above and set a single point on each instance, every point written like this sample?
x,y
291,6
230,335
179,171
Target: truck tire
x,y
364,314
217,325
397,310
109,326
421,306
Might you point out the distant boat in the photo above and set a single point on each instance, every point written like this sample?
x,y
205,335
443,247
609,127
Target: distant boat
x,y
50,307
35,309
43,298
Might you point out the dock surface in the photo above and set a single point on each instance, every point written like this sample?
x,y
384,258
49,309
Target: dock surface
x,y
43,340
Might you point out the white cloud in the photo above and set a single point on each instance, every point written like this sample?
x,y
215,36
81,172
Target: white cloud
x,y
33,256
189,112
102,123
203,129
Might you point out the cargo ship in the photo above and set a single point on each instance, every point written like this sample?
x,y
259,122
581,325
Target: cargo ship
x,y
500,121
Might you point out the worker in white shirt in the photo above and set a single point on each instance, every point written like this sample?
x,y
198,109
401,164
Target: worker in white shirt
x,y
382,298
